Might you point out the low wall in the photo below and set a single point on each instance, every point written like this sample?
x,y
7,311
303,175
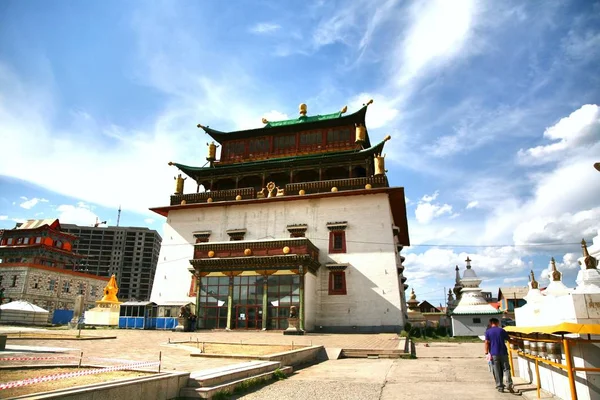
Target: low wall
x,y
286,358
163,386
295,357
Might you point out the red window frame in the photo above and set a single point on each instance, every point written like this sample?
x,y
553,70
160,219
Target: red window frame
x,y
332,237
333,290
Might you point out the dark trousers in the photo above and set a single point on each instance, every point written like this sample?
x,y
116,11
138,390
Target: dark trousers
x,y
501,369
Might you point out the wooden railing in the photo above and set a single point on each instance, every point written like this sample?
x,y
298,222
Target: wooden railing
x,y
340,184
215,195
290,189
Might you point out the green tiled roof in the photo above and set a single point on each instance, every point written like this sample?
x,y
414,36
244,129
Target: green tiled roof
x,y
303,119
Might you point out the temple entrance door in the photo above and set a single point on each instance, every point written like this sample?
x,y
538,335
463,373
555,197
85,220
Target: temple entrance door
x,y
248,317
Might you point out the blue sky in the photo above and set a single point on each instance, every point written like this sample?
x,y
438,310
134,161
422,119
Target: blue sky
x,y
492,109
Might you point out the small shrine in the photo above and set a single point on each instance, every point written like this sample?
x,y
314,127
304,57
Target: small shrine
x,y
472,312
107,308
415,317
556,286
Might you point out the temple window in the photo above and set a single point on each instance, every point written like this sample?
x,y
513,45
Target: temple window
x,y
297,230
337,237
93,291
311,138
26,240
81,289
201,237
9,241
284,143
337,282
339,135
14,281
51,284
66,287
476,320
20,241
236,234
236,149
58,244
38,239
258,146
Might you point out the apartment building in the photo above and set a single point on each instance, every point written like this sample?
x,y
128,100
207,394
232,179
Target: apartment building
x,y
131,253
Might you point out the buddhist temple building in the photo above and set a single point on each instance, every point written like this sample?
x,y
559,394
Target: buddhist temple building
x,y
295,213
38,265
472,312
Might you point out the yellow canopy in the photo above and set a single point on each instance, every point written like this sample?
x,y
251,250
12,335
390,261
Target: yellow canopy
x,y
564,328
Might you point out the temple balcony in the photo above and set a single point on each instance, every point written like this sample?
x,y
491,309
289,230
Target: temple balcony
x,y
262,256
290,189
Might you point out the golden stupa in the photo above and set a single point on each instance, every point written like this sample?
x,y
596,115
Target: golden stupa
x,y
110,292
107,309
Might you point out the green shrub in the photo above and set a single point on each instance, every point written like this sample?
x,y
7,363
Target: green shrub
x,y
442,331
279,374
430,331
415,332
407,327
221,395
403,333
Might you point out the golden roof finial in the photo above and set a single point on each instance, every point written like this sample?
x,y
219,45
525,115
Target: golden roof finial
x,y
388,137
555,274
110,291
534,284
303,108
589,261
200,126
369,102
265,121
413,296
343,110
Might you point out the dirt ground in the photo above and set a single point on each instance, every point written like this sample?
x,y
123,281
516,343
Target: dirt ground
x,y
245,349
15,375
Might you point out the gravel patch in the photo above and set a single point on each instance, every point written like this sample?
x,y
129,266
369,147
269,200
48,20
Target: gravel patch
x,y
291,389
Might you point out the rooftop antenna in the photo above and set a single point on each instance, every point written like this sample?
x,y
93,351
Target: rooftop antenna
x,y
119,215
98,223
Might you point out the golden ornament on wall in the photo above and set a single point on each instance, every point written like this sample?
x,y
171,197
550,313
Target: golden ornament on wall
x,y
209,200
248,252
211,253
302,192
334,189
183,202
238,197
368,186
286,250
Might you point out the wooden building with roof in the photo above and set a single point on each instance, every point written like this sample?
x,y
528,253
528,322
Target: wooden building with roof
x,y
296,213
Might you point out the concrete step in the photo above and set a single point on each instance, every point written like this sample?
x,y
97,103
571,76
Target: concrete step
x,y
229,373
209,392
372,353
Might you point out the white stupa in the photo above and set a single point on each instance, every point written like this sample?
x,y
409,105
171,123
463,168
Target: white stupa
x,y
472,312
534,295
588,278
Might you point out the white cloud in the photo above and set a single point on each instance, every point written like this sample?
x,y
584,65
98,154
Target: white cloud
x,y
429,198
149,220
472,204
438,32
29,204
265,28
438,263
380,113
580,129
565,228
275,115
79,214
19,220
3,217
426,211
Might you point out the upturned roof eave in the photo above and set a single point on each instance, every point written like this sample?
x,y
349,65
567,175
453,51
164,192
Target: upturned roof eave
x,y
220,136
198,172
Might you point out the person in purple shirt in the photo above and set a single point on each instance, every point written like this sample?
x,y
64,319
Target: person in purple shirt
x,y
495,338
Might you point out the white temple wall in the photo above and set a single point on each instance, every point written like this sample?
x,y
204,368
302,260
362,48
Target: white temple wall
x,y
310,301
373,299
465,325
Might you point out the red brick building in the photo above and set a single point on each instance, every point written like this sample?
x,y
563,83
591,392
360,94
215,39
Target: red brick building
x,y
37,264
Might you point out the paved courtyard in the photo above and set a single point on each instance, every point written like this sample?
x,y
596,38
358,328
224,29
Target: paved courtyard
x,y
442,370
